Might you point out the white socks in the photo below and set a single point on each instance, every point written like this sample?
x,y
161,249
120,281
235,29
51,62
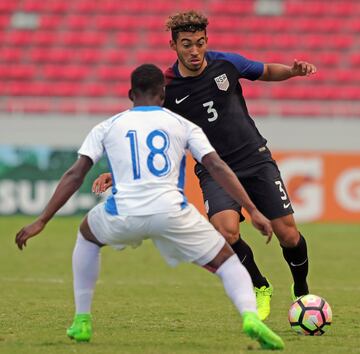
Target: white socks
x,y
85,263
238,285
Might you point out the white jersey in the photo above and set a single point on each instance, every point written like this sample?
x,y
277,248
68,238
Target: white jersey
x,y
146,148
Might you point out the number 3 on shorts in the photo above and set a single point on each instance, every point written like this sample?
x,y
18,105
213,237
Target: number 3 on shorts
x,y
283,194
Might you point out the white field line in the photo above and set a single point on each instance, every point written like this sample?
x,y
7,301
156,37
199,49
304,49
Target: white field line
x,y
32,280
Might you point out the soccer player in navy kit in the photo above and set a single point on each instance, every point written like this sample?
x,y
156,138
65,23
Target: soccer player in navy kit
x,y
203,86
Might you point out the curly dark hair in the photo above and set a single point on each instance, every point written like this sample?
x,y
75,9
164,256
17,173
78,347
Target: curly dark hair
x,y
190,21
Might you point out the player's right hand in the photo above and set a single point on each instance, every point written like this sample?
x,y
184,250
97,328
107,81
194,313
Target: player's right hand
x,y
262,223
102,183
27,232
302,68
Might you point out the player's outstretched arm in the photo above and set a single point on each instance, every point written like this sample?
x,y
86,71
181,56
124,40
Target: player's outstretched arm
x,y
226,178
279,72
102,183
70,182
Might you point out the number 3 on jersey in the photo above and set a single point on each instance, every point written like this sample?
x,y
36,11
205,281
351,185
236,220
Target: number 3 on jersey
x,y
211,110
134,147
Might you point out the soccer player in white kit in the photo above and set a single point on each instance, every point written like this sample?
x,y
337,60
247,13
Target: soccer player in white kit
x,y
146,148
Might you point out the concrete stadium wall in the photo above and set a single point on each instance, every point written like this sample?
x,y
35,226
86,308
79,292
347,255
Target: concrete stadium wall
x,y
315,134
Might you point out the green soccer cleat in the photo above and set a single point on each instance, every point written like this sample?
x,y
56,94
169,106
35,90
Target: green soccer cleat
x,y
258,330
263,298
81,329
295,297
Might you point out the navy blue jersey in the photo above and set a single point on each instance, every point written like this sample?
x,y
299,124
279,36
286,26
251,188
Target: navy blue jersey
x,y
214,101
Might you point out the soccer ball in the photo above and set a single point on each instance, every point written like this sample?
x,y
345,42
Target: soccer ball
x,y
310,315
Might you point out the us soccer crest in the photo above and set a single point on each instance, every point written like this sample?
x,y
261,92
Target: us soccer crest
x,y
222,82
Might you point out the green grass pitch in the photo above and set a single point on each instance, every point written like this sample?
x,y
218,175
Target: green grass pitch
x,y
143,306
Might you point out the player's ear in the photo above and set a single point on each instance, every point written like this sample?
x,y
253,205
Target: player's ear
x,y
131,95
172,44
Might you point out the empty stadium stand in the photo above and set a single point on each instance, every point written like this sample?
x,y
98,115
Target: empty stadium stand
x,y
75,57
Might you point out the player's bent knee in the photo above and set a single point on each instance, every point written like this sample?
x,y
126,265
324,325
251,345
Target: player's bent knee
x,y
87,234
224,254
289,237
227,223
232,238
286,231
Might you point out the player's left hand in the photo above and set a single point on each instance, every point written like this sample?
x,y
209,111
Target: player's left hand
x,y
102,183
27,232
302,68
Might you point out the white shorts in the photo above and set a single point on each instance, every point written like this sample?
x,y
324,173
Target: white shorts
x,y
182,236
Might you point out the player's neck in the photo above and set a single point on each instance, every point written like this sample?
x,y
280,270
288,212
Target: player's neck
x,y
185,72
147,101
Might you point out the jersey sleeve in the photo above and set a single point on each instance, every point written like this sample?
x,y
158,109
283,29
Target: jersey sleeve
x,y
93,143
248,69
197,142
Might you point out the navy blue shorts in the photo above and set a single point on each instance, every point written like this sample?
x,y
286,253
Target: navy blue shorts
x,y
261,180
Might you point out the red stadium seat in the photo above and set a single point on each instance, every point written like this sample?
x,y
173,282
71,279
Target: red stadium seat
x,y
55,6
65,72
50,22
83,38
85,6
114,56
66,89
4,21
87,49
317,8
7,7
163,56
80,22
33,6
51,55
355,60
158,40
127,39
33,88
18,38
328,58
114,73
344,76
89,55
17,72
117,22
10,54
95,89
349,92
353,25
232,6
45,38
121,89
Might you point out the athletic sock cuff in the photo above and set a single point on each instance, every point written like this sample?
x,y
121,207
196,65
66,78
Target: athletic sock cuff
x,y
227,264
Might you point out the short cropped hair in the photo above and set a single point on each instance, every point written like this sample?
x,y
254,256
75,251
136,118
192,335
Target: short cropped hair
x,y
190,21
148,79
